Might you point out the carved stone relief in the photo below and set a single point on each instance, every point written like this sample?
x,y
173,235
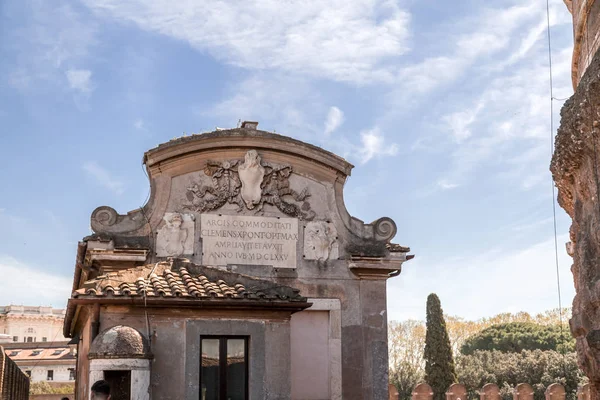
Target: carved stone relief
x,y
320,241
176,237
105,216
251,185
248,240
251,175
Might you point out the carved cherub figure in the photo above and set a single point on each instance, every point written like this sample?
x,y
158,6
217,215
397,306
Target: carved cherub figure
x,y
319,240
174,236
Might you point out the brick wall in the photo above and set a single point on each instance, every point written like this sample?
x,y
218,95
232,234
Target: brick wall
x,y
14,384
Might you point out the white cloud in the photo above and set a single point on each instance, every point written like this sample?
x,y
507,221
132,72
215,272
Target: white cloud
x,y
460,121
528,226
103,177
373,145
139,124
479,285
286,103
279,102
335,118
80,80
436,187
33,286
352,41
446,185
426,75
487,34
509,123
51,38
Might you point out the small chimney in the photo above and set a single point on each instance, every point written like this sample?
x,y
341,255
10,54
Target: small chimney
x,y
249,125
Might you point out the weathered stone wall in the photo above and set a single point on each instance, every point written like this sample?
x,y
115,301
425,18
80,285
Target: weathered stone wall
x,y
576,172
176,341
204,185
586,31
82,386
14,384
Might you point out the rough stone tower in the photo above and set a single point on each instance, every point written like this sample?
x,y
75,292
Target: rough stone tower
x,y
576,173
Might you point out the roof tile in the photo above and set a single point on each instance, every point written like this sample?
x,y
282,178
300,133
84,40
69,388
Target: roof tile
x,y
173,278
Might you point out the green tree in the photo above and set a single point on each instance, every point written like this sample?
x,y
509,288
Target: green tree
x,y
46,388
518,336
538,368
405,344
439,363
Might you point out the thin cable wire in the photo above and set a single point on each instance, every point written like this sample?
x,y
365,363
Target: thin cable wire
x,y
146,202
151,234
552,152
560,309
152,271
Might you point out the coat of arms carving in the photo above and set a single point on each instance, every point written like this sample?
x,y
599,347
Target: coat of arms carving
x,y
249,184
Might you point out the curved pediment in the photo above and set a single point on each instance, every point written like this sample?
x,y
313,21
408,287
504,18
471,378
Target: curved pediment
x,y
176,149
245,196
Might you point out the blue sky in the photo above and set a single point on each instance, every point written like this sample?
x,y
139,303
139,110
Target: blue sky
x,y
442,107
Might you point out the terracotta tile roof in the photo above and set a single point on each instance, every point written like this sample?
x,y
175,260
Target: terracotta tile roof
x,y
182,279
24,354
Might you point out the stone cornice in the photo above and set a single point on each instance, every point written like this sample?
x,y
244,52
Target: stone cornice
x,y
36,345
375,268
242,138
121,255
248,306
42,362
30,317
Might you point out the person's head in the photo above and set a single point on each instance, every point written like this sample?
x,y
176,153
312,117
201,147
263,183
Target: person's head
x,y
65,398
101,391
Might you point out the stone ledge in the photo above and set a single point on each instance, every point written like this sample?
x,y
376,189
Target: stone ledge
x,y
375,268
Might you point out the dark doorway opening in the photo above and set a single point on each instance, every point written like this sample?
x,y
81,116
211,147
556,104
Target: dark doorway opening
x,y
120,384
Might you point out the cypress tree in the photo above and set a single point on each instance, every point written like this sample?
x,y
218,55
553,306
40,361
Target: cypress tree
x,y
439,364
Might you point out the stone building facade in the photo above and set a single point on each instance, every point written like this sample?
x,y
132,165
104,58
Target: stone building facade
x,y
576,173
52,362
32,337
31,323
243,276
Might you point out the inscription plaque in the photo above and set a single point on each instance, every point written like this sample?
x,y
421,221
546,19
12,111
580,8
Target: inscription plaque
x,y
236,239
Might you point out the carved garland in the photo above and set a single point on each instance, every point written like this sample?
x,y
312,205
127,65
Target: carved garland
x,y
250,184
